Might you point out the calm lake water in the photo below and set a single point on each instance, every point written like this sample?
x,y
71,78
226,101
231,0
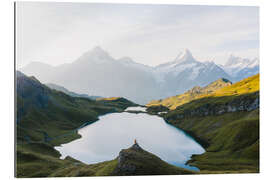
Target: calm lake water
x,y
104,139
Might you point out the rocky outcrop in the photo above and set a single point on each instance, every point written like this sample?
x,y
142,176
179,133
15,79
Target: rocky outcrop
x,y
124,166
136,161
241,103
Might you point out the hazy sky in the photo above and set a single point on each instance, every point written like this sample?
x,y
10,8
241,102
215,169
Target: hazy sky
x,y
57,33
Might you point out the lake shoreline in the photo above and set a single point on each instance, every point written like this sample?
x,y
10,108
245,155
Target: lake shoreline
x,y
135,112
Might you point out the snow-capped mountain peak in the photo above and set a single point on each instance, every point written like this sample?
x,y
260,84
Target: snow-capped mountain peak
x,y
184,56
239,68
234,61
97,55
238,62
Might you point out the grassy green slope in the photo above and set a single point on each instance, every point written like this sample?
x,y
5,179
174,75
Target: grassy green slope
x,y
231,141
46,118
47,115
231,138
37,160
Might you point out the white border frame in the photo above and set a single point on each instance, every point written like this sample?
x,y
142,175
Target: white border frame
x,y
7,85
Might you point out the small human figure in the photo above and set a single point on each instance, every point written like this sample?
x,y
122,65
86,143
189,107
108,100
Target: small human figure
x,y
135,142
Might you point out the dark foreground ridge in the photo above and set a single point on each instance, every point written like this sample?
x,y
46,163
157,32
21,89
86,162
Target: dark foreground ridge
x,y
131,161
137,161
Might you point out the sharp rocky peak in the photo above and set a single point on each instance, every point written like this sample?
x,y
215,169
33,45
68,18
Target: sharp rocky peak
x,y
185,56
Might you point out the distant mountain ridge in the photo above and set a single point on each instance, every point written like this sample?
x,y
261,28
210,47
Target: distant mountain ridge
x,y
239,68
186,72
97,73
73,94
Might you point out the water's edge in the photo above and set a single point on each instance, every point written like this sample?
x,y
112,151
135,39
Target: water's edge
x,y
186,132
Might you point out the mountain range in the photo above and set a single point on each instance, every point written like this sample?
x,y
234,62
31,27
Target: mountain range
x,y
239,68
99,74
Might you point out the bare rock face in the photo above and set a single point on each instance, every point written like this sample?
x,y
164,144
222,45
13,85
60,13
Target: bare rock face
x,y
136,147
124,164
244,103
254,105
137,161
124,167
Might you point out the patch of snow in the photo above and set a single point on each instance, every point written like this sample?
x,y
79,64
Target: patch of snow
x,y
164,112
137,108
183,67
195,72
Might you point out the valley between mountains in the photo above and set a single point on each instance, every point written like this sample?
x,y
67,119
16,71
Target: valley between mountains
x,y
222,116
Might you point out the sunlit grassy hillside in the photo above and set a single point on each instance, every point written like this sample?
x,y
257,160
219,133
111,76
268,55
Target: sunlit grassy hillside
x,y
246,86
221,87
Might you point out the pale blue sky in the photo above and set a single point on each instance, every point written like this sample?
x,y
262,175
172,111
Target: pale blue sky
x,y
57,33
